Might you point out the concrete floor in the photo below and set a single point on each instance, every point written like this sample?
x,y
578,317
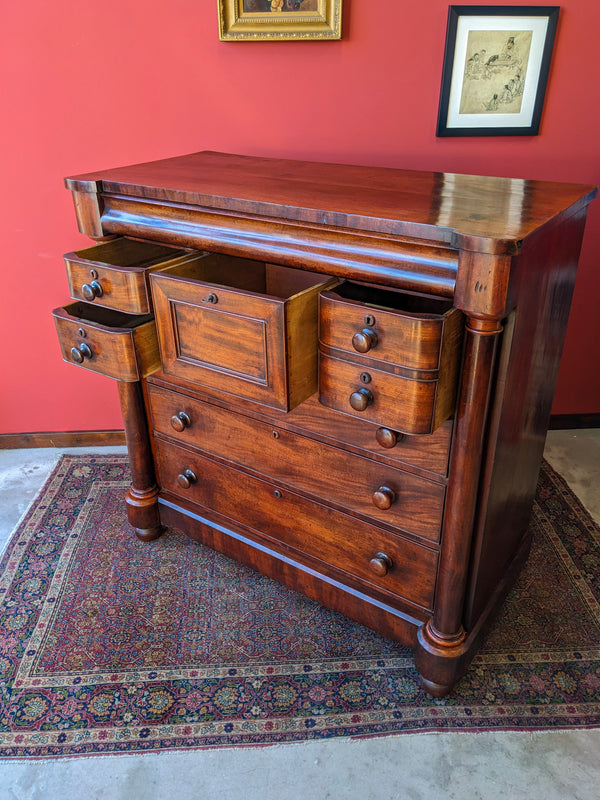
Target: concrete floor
x,y
465,766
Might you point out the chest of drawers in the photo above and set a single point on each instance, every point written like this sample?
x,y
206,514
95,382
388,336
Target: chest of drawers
x,y
341,376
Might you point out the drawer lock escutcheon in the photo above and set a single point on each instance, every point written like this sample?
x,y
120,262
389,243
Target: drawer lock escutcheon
x,y
180,421
361,399
186,478
381,564
78,354
92,290
384,497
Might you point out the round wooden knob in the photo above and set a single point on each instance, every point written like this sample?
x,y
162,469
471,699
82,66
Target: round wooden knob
x,y
81,352
360,399
180,421
380,564
383,497
388,438
186,478
92,290
364,340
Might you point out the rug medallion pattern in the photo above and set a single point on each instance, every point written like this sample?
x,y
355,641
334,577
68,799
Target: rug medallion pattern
x,y
108,644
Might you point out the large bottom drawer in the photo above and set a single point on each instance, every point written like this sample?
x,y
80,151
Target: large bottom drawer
x,y
359,485
395,566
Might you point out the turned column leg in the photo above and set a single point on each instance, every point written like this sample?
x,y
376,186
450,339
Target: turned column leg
x,y
442,647
142,497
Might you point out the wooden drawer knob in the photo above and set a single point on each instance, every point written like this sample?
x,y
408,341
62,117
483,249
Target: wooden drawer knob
x,y
180,421
388,438
383,497
364,340
361,399
186,478
92,290
79,353
380,564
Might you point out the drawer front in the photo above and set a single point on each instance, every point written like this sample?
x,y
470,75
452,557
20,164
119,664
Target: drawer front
x,y
360,485
409,339
234,339
394,401
117,345
378,558
115,274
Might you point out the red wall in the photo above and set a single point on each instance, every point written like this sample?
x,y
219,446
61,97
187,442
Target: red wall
x,y
93,85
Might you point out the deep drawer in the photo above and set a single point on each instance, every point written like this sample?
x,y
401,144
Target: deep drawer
x,y
392,564
114,274
360,485
241,327
118,345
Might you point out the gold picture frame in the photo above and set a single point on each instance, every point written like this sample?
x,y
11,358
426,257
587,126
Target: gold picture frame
x,y
272,20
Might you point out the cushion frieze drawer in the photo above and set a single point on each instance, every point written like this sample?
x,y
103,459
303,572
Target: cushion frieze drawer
x,y
114,274
120,346
242,327
393,565
361,485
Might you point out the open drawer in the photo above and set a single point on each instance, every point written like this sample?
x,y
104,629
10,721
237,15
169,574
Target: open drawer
x,y
114,274
121,346
389,357
242,327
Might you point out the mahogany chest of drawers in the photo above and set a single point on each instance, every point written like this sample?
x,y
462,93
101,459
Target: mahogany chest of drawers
x,y
341,376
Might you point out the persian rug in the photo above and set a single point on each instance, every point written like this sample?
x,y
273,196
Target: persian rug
x,y
111,645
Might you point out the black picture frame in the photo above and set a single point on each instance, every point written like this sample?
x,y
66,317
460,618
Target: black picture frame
x,y
474,100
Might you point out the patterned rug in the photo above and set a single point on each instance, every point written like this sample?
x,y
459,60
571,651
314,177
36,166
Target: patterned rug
x,y
111,645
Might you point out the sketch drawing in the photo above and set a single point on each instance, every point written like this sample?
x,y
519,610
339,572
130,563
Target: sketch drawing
x,y
495,72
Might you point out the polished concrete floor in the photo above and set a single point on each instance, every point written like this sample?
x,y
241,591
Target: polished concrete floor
x,y
452,766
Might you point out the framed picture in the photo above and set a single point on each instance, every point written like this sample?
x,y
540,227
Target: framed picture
x,y
495,72
269,20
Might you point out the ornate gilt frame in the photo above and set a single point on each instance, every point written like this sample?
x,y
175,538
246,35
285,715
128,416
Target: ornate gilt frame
x,y
238,24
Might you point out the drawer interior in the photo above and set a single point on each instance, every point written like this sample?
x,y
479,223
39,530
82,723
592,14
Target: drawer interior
x,y
390,300
247,275
106,317
123,253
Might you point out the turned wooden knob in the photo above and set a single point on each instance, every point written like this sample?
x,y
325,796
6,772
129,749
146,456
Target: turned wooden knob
x,y
383,497
186,478
360,399
380,564
180,421
364,340
388,438
81,352
92,290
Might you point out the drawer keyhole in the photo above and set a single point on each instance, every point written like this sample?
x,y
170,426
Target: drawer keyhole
x,y
78,354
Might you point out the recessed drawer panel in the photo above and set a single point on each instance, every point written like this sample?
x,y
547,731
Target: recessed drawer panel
x,y
358,484
114,274
118,345
358,549
241,327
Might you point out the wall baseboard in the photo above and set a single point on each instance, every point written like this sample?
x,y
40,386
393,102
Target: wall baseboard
x,y
13,441
560,422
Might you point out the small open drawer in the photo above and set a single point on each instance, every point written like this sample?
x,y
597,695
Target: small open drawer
x,y
115,274
239,326
118,345
389,357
